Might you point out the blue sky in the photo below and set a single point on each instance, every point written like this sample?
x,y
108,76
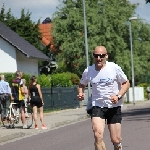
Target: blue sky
x,y
45,8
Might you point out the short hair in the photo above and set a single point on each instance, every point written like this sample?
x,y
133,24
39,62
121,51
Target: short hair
x,y
2,76
18,73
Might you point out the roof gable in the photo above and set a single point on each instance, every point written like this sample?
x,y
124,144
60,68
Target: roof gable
x,y
20,43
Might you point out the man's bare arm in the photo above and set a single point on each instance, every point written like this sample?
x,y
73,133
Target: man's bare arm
x,y
124,88
81,89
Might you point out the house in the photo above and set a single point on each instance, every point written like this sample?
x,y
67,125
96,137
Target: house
x,y
45,29
47,41
18,54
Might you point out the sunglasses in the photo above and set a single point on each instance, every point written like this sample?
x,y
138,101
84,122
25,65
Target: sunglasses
x,y
100,55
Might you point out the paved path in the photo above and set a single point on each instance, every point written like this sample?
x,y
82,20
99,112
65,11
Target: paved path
x,y
54,120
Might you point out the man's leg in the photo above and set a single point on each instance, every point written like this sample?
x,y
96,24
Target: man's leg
x,y
23,115
115,135
98,126
22,110
114,117
2,107
26,113
7,105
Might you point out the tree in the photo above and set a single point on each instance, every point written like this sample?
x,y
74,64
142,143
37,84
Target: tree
x,y
30,32
22,26
106,25
147,1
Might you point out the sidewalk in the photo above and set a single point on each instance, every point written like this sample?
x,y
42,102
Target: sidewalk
x,y
54,120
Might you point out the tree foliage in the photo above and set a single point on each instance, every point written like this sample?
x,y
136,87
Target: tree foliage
x,y
107,24
22,26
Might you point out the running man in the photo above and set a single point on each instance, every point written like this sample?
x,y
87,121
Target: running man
x,y
109,84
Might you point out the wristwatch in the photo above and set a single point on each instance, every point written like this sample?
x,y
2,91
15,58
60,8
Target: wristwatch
x,y
119,97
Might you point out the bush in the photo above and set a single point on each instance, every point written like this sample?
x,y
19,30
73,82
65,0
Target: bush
x,y
62,79
65,79
44,81
27,78
10,76
74,78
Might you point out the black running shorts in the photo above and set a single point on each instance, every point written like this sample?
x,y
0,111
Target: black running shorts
x,y
20,103
36,101
111,115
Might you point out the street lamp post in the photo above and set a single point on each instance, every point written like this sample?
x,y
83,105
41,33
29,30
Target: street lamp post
x,y
132,61
86,43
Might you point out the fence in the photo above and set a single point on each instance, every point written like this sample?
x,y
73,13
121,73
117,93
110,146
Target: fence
x,y
60,97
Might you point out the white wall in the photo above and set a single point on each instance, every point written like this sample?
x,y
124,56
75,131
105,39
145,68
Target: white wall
x,y
29,66
12,60
7,57
138,93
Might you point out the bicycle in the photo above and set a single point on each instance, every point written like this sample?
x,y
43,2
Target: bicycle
x,y
13,116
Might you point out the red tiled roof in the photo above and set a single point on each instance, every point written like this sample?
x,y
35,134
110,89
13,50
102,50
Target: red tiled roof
x,y
47,40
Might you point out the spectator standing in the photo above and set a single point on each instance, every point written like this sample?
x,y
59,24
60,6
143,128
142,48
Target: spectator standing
x,y
18,93
25,96
109,84
148,92
36,101
5,96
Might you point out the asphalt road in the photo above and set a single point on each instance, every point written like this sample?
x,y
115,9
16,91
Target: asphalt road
x,y
79,136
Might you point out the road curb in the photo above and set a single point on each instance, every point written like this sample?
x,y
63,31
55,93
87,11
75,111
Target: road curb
x,y
66,122
10,137
22,134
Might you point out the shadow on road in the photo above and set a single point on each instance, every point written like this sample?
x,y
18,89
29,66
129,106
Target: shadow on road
x,y
137,114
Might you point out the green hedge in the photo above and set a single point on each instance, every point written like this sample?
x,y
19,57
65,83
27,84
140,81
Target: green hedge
x,y
65,79
10,76
44,81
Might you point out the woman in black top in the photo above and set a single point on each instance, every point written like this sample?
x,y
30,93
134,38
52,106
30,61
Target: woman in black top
x,y
36,101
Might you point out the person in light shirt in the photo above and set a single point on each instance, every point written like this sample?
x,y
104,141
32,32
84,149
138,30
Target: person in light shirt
x,y
5,96
109,84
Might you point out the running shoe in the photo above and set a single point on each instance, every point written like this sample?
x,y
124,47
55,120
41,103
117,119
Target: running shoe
x,y
36,127
118,147
44,126
11,126
25,126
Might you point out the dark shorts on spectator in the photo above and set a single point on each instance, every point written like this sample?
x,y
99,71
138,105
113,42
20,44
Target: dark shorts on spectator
x,y
36,101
